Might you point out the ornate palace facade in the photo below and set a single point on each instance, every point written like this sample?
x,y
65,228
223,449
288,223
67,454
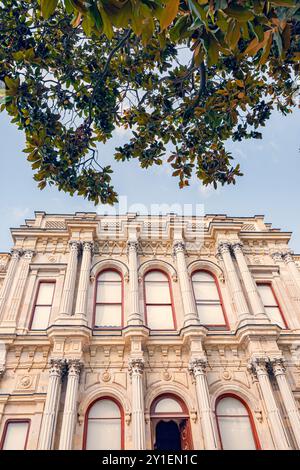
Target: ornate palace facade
x,y
136,332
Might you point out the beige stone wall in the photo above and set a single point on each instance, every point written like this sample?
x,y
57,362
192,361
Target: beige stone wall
x,y
44,253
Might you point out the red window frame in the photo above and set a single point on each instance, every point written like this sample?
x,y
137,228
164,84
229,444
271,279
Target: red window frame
x,y
269,284
250,416
41,281
159,304
12,421
86,420
224,326
109,303
160,416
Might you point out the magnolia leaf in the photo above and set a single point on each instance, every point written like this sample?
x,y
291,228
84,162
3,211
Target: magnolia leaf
x,y
48,8
168,13
239,13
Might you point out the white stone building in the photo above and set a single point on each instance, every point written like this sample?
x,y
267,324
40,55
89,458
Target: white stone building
x,y
136,332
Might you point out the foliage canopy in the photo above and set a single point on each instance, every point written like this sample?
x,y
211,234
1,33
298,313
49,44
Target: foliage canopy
x,y
183,75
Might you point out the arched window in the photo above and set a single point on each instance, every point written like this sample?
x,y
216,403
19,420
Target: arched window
x,y
271,305
170,424
109,300
235,425
158,301
104,426
208,300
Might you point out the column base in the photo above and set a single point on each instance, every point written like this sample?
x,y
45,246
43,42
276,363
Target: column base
x,y
191,320
8,327
135,320
77,320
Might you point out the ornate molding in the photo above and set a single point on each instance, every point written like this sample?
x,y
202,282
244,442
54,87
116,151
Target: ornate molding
x,y
74,366
258,366
197,366
74,245
237,247
277,366
288,257
16,254
223,247
28,254
88,246
136,366
132,246
277,257
57,367
178,247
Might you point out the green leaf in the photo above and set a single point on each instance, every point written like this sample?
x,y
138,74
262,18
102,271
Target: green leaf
x,y
107,26
239,13
48,8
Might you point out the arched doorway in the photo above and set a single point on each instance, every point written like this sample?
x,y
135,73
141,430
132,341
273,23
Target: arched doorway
x,y
170,424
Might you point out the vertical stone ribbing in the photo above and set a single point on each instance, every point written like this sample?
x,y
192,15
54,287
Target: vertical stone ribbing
x,y
189,307
258,366
70,407
8,280
249,283
70,280
234,282
287,396
136,368
84,279
197,368
12,313
52,404
134,317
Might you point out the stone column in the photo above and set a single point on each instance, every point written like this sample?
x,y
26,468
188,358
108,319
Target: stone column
x,y
134,317
288,399
70,407
52,404
295,273
136,368
3,354
70,279
189,307
9,277
197,368
84,279
259,367
249,283
10,317
234,282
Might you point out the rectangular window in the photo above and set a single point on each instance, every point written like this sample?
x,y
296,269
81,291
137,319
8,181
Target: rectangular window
x,y
43,305
15,435
271,305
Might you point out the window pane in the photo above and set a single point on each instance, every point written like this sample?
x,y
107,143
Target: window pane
x,y
211,314
168,405
109,276
45,294
110,292
157,293
231,406
236,433
15,436
108,315
267,295
206,291
203,276
156,276
104,409
104,434
275,316
41,318
159,317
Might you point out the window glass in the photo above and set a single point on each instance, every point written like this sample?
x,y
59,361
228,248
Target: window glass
x,y
207,299
43,306
108,309
168,405
15,436
104,426
271,307
158,301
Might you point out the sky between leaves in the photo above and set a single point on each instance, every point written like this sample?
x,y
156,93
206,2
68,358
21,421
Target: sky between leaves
x,y
270,185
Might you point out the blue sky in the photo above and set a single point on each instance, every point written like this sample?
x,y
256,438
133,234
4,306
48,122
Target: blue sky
x,y
270,184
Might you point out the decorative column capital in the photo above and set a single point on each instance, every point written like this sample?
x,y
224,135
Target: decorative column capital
x,y
132,246
178,247
74,367
16,254
258,366
277,366
197,366
288,257
74,245
223,247
237,247
88,246
28,254
136,366
57,367
277,256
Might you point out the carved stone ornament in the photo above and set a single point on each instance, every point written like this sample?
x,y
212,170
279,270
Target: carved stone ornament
x,y
227,375
25,381
277,257
193,415
166,375
57,367
277,366
178,247
106,376
29,254
136,366
223,247
132,246
197,366
74,245
88,246
74,366
237,247
288,257
258,366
